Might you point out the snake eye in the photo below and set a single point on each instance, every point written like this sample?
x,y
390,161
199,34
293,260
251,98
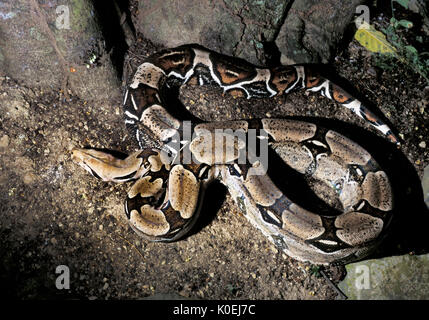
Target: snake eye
x,y
146,165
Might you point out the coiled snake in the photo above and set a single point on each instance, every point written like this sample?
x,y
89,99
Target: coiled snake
x,y
165,201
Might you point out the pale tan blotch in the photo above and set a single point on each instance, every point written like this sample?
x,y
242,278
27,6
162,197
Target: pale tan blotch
x,y
351,194
295,155
106,166
211,148
145,187
183,191
329,170
377,190
289,130
221,125
165,159
262,189
356,228
264,75
336,176
302,223
155,162
202,57
347,149
148,74
150,221
160,122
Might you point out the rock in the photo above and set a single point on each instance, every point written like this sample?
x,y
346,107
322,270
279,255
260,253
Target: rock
x,y
29,178
313,29
4,143
48,46
234,27
392,278
14,105
371,71
308,30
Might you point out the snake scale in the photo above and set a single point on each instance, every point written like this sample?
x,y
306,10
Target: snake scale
x,y
165,201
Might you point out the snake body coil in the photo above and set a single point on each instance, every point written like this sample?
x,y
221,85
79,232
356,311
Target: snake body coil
x,y
165,201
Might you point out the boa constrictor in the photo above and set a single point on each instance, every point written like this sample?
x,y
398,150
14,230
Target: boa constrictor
x,y
165,201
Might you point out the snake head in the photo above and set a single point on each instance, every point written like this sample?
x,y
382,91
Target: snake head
x,y
105,166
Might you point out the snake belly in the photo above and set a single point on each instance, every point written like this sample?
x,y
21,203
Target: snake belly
x,y
165,201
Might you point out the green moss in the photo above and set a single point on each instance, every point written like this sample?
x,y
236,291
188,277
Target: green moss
x,y
79,15
34,33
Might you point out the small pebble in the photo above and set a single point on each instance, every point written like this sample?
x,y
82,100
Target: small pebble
x,y
422,144
372,72
4,142
29,178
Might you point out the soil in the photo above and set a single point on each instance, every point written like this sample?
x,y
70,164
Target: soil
x,y
53,213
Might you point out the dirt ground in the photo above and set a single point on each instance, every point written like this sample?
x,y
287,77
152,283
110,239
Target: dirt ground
x,y
53,213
